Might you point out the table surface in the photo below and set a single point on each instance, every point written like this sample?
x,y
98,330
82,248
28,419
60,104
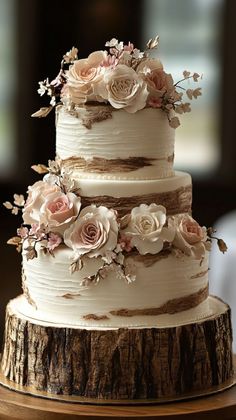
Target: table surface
x,y
15,405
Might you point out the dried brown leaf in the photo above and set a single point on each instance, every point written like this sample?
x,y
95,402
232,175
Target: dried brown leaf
x,y
153,43
8,205
186,107
179,109
19,248
40,168
15,240
15,210
76,266
42,112
196,77
197,92
31,253
19,200
174,122
222,245
186,74
189,93
124,221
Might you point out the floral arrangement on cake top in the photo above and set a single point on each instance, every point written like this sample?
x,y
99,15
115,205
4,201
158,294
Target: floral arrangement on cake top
x,y
123,77
54,214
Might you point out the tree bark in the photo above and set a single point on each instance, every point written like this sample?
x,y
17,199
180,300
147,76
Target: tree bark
x,y
118,364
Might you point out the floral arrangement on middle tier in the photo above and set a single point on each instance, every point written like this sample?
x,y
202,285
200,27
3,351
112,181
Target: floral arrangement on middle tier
x,y
54,215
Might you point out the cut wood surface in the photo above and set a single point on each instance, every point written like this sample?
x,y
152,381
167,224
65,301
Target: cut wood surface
x,y
147,363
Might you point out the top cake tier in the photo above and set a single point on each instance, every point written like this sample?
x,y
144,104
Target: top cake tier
x,y
102,142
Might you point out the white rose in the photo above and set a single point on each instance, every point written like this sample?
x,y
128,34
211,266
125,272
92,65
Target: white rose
x,y
123,88
93,233
146,228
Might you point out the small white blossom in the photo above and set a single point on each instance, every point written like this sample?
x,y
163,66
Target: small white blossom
x,y
137,54
71,55
42,88
53,101
112,43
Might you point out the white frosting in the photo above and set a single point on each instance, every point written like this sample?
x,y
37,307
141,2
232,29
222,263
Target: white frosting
x,y
145,134
50,284
206,310
121,188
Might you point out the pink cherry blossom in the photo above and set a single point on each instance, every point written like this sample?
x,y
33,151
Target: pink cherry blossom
x,y
54,240
125,243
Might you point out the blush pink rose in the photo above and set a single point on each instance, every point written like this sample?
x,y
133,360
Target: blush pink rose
x,y
191,230
190,237
82,77
159,83
36,197
59,210
47,205
158,80
94,233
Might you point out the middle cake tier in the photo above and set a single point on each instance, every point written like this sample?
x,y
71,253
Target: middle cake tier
x,y
174,193
144,289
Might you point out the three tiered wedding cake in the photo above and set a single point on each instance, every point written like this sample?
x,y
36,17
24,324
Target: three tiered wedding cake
x,y
115,301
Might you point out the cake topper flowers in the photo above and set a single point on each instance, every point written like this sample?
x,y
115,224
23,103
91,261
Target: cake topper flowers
x,y
121,76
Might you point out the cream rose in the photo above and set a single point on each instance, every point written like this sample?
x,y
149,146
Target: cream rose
x,y
93,233
36,197
190,237
149,64
82,77
59,210
123,88
146,228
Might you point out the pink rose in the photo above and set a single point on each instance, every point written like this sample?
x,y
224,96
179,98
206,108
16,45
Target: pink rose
x,y
190,237
122,87
158,80
159,84
83,75
191,230
93,233
36,197
59,210
47,205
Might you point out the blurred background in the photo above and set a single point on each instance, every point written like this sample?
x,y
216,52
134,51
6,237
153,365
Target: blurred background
x,y
195,35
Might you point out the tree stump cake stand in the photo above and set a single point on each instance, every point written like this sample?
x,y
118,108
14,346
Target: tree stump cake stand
x,y
216,398
15,405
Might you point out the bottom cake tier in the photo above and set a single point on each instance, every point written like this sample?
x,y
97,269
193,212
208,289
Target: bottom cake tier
x,y
118,363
